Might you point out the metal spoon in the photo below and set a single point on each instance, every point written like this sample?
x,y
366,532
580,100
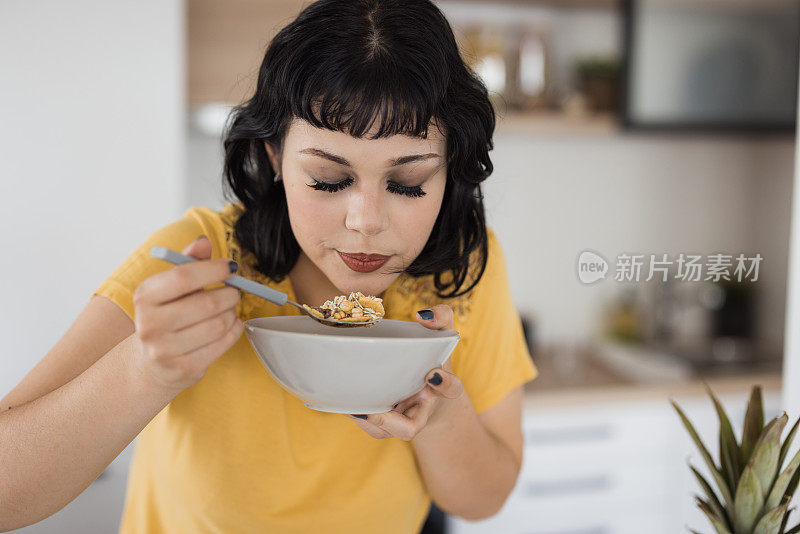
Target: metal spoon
x,y
260,290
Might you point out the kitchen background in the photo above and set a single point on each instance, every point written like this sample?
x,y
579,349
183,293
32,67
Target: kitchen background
x,y
594,150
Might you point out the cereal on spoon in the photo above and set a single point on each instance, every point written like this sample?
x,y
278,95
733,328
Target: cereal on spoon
x,y
355,308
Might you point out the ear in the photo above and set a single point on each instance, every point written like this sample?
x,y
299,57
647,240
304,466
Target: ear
x,y
273,156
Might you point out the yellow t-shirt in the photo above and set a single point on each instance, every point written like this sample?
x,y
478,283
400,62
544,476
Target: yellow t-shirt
x,y
235,453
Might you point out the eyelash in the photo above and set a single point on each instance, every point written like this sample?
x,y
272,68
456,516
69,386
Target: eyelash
x,y
414,192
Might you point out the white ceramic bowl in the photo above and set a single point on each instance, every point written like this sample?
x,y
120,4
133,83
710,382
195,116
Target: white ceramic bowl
x,y
349,370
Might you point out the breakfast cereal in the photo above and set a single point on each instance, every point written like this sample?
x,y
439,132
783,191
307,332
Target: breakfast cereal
x,y
355,308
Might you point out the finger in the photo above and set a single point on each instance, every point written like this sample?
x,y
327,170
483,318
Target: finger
x,y
184,279
444,383
209,353
416,398
197,335
442,317
195,308
200,248
448,365
369,428
422,411
396,424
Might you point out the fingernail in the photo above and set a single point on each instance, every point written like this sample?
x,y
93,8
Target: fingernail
x,y
436,379
360,416
426,314
233,266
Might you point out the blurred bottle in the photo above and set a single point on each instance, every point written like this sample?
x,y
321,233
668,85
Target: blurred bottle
x,y
527,78
624,318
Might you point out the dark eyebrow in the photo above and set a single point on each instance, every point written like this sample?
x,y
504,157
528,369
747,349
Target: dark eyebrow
x,y
402,160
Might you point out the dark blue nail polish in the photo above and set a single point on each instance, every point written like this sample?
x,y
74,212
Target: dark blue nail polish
x,y
426,314
436,379
360,416
233,266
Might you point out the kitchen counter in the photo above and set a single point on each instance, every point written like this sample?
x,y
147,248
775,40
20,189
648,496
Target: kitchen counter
x,y
585,376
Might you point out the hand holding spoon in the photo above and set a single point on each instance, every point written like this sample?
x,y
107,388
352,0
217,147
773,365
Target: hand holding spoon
x,y
260,290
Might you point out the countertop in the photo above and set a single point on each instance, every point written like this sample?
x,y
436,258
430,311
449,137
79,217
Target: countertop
x,y
581,376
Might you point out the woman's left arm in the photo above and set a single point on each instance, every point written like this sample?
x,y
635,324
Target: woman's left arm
x,y
469,461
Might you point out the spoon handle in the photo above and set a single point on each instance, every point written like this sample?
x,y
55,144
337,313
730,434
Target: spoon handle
x,y
245,284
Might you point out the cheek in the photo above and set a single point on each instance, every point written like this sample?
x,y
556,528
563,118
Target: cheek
x,y
310,213
415,218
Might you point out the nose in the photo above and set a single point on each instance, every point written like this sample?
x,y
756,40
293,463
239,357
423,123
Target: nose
x,y
366,211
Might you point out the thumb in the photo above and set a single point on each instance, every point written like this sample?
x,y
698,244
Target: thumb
x,y
199,249
444,383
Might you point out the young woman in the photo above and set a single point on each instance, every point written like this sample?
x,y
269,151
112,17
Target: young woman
x,y
366,135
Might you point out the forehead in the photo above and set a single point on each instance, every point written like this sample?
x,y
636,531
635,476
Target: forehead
x,y
302,134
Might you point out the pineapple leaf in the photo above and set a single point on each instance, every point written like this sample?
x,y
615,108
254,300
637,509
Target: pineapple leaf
x,y
713,500
764,460
771,522
792,486
728,466
748,501
782,483
785,519
720,481
717,522
753,423
729,453
788,442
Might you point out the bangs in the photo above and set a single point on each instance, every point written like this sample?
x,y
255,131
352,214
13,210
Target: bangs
x,y
351,101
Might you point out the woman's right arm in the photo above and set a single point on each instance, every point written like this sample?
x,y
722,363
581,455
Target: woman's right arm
x,y
53,447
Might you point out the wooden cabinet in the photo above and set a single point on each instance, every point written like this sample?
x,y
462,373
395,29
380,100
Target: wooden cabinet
x,y
226,43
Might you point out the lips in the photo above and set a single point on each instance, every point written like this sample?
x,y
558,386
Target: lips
x,y
360,256
363,263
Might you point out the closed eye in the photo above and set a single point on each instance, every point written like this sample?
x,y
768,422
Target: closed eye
x,y
393,187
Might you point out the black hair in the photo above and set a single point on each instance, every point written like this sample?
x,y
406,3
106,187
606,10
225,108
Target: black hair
x,y
340,65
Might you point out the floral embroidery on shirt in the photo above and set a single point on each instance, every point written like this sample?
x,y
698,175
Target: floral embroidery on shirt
x,y
243,257
422,292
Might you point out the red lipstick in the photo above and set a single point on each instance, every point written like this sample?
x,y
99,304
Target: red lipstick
x,y
361,262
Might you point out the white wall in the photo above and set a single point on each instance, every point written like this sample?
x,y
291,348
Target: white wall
x,y
551,197
791,371
91,155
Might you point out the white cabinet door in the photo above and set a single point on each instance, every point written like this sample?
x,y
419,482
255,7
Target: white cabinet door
x,y
612,468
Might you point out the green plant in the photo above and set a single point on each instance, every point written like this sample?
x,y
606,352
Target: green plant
x,y
597,67
753,489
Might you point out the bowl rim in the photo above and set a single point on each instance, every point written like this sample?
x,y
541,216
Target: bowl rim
x,y
452,333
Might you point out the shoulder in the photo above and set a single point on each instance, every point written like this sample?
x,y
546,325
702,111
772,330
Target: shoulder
x,y
495,275
492,288
217,225
175,235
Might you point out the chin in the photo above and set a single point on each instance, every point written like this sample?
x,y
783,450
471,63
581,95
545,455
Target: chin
x,y
368,283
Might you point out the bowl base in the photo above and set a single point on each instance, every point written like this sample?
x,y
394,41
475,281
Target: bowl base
x,y
332,409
